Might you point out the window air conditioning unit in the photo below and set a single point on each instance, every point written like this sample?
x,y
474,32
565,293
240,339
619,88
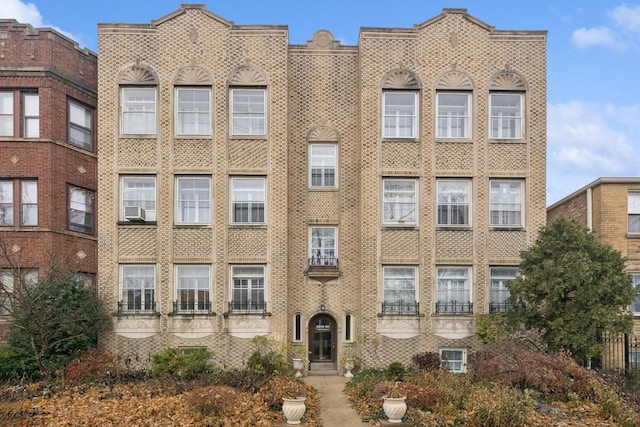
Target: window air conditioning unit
x,y
134,213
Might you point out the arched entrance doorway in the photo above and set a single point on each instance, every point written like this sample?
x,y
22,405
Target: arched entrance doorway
x,y
322,342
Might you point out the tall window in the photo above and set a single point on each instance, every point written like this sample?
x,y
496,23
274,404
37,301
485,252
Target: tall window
x,y
506,203
6,202
31,114
247,200
6,114
453,115
80,126
193,112
138,106
454,295
453,202
399,290
138,288
81,209
323,165
194,200
453,359
193,288
498,291
634,307
248,107
633,209
323,247
399,201
29,202
506,115
399,114
138,198
9,281
247,289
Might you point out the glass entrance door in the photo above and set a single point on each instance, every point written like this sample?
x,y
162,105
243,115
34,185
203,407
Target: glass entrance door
x,y
323,342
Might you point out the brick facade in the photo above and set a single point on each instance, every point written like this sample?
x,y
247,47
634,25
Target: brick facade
x,y
44,62
328,94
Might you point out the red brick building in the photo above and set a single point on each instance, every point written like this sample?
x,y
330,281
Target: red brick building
x,y
48,159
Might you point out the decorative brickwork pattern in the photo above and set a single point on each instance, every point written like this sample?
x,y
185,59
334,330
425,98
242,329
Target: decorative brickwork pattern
x,y
321,92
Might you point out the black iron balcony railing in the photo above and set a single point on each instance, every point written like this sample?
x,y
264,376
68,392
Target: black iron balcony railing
x,y
454,307
323,261
136,307
192,307
499,307
401,307
243,307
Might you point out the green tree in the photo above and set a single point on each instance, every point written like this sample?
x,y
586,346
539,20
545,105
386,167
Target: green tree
x,y
52,319
571,289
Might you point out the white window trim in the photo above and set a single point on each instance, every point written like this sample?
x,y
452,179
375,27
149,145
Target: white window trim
x,y
335,166
148,132
468,117
249,134
178,217
469,288
521,118
463,367
522,204
416,198
469,203
142,310
414,127
635,275
233,201
232,277
31,122
633,209
84,130
177,112
150,214
295,329
177,289
416,281
335,239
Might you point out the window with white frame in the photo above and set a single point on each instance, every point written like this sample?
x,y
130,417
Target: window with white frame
x,y
138,198
193,284
348,327
453,359
454,196
80,126
193,205
9,281
297,327
247,289
633,209
31,115
25,208
634,307
453,115
506,203
138,108
6,114
248,111
138,288
634,357
399,290
247,200
399,201
323,247
323,165
454,292
498,290
399,114
81,209
506,121
193,111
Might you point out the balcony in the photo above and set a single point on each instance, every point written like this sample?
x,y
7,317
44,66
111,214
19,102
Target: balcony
x,y
323,269
498,307
192,307
453,308
136,307
401,308
243,307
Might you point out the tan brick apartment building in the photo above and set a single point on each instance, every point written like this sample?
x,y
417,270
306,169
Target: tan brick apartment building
x,y
610,207
373,197
48,163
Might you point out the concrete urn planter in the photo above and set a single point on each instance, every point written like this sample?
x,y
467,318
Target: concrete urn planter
x,y
394,408
293,409
298,365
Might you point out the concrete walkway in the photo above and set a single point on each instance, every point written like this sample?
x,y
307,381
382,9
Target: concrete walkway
x,y
334,406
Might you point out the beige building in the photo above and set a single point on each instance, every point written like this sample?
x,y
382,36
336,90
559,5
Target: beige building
x,y
610,207
370,198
